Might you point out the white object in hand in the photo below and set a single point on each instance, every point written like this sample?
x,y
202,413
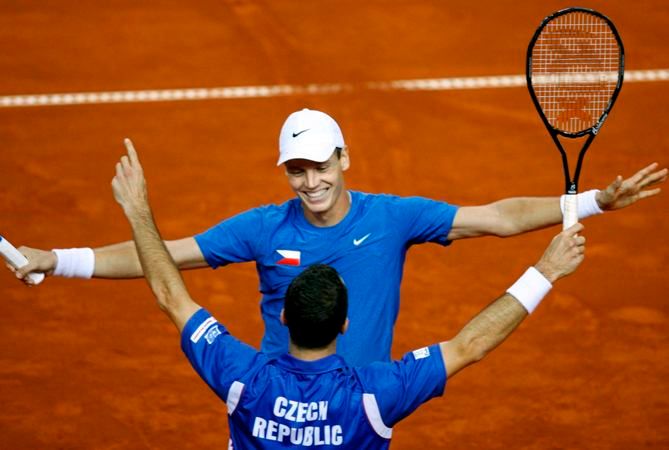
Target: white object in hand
x,y
17,260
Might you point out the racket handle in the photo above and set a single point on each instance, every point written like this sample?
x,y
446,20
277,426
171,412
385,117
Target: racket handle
x,y
570,216
16,259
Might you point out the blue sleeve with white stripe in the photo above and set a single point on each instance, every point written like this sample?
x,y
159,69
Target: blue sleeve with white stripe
x,y
217,356
402,386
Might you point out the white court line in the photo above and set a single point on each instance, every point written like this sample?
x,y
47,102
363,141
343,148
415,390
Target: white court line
x,y
194,94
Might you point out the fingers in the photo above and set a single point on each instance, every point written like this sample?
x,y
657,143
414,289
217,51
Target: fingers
x,y
29,281
125,163
649,193
618,183
648,169
622,193
119,183
574,243
119,179
570,238
132,157
128,184
574,229
23,276
10,267
656,177
641,174
39,262
645,171
648,176
579,247
573,233
130,162
132,153
564,254
21,272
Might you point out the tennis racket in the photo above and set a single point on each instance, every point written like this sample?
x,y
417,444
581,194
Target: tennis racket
x,y
16,259
575,68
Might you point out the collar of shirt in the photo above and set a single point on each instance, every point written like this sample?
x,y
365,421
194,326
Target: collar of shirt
x,y
301,220
327,364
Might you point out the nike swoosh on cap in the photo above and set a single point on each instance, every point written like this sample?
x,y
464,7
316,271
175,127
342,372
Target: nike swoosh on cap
x,y
297,134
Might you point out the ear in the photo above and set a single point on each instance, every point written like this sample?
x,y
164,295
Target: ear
x,y
282,317
344,328
344,160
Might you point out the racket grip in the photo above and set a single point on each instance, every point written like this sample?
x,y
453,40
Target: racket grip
x,y
570,216
16,259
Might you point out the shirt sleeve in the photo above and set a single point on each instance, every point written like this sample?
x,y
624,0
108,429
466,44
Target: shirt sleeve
x,y
232,240
402,386
426,220
217,356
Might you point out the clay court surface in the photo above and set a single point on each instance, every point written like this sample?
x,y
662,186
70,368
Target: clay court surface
x,y
95,364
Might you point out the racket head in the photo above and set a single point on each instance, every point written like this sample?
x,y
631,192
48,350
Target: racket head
x,y
575,70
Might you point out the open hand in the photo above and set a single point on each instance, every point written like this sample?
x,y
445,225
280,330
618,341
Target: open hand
x,y
622,193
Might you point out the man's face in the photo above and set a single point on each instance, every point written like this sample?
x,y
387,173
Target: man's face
x,y
318,184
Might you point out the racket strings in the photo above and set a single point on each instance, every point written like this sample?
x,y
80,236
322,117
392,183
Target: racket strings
x,y
575,70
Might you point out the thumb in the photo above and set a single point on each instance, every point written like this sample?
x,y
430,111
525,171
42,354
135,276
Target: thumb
x,y
616,185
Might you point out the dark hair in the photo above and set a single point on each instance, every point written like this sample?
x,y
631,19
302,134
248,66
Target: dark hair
x,y
315,307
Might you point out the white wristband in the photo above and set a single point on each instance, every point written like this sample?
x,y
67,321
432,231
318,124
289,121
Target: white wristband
x,y
530,289
587,204
74,262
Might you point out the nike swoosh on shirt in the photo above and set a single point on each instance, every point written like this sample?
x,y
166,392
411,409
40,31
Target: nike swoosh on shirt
x,y
297,134
357,242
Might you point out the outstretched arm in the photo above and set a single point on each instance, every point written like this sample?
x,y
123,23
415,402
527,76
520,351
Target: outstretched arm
x,y
116,261
496,322
518,215
160,271
121,260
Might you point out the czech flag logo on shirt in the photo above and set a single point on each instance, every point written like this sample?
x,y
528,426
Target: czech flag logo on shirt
x,y
290,257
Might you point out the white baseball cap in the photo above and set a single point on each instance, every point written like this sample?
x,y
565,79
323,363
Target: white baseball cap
x,y
309,134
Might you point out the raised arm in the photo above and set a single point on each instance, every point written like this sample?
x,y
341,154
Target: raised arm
x,y
160,271
518,215
496,322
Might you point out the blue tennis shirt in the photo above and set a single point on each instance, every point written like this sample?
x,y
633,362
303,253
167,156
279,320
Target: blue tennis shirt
x,y
286,402
368,249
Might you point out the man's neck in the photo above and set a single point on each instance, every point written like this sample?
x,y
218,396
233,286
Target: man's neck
x,y
312,354
333,216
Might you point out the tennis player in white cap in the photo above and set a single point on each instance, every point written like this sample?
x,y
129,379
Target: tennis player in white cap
x,y
364,236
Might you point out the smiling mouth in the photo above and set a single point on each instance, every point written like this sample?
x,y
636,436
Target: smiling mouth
x,y
316,195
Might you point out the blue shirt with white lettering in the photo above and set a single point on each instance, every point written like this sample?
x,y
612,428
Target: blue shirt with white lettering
x,y
368,249
286,402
